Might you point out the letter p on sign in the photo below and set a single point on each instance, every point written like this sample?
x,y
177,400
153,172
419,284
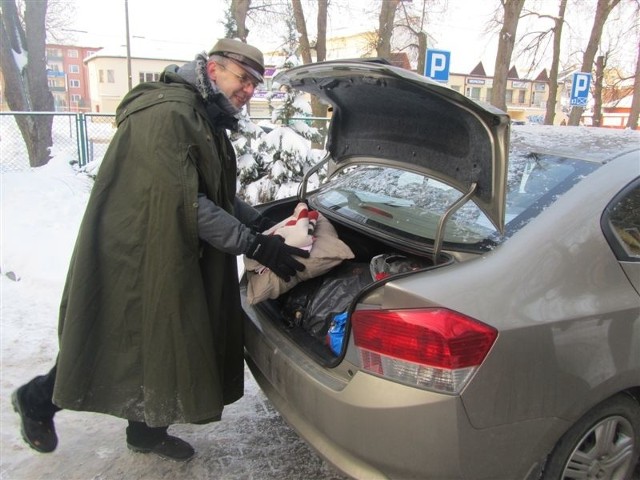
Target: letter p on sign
x,y
437,65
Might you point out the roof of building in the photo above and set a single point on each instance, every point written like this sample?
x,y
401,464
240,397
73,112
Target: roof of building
x,y
400,59
543,76
478,70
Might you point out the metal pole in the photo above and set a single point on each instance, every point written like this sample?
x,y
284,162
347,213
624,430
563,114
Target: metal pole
x,y
126,16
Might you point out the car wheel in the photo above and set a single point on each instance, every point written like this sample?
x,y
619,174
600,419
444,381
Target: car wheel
x,y
602,445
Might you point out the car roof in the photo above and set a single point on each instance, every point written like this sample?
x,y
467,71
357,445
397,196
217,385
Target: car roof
x,y
586,143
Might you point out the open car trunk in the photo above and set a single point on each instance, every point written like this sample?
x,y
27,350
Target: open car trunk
x,y
404,154
314,313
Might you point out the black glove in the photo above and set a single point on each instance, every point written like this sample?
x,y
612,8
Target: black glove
x,y
273,253
261,224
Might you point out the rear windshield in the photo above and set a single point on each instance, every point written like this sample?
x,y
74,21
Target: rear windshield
x,y
410,205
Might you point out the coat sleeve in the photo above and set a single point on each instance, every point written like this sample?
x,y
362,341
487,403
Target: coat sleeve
x,y
222,230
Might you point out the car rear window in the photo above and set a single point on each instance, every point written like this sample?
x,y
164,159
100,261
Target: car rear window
x,y
410,205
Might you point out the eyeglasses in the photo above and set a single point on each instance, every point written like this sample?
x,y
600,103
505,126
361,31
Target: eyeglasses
x,y
245,81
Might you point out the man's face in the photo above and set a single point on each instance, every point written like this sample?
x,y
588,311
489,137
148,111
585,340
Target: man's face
x,y
233,81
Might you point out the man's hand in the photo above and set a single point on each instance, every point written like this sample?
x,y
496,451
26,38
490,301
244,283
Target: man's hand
x,y
273,253
261,224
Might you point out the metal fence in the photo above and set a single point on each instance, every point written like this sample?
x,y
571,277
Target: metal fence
x,y
82,137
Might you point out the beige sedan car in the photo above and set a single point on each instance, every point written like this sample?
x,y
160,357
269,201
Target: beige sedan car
x,y
487,325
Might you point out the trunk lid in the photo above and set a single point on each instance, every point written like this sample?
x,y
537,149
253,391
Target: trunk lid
x,y
390,116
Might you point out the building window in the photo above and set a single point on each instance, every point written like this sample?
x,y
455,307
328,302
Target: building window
x,y
72,53
74,83
51,83
521,96
76,98
148,77
508,96
101,76
111,76
54,52
474,92
74,69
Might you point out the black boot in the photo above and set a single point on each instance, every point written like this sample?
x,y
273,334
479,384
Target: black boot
x,y
40,434
145,439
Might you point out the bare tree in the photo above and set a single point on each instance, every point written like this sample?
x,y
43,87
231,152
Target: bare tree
x,y
603,10
550,112
511,10
59,15
321,40
635,103
24,67
301,25
239,10
318,109
386,21
414,22
597,91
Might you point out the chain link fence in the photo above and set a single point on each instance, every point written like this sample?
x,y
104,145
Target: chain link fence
x,y
82,137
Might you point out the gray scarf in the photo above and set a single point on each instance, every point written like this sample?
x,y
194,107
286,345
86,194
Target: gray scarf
x,y
195,72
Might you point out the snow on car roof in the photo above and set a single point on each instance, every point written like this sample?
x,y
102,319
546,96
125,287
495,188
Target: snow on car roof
x,y
594,144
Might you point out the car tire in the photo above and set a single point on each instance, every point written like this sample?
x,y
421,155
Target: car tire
x,y
603,444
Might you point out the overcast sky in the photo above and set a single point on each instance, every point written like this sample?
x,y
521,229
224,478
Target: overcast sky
x,y
189,26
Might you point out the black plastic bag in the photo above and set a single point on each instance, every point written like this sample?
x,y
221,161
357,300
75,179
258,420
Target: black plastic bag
x,y
338,289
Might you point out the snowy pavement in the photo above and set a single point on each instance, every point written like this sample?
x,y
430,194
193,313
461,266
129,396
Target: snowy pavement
x,y
39,217
252,442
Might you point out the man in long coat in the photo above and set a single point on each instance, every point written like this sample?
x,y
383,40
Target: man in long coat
x,y
150,321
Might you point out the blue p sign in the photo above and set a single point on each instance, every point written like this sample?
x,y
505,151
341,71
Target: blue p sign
x,y
437,65
580,89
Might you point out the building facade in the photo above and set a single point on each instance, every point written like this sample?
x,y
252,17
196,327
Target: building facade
x,y
109,69
68,77
526,99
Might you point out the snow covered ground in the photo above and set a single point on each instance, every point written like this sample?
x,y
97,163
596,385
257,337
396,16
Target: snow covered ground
x,y
40,215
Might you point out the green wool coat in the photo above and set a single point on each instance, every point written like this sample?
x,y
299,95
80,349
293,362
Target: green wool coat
x,y
150,320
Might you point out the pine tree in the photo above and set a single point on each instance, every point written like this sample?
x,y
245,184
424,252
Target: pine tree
x,y
272,165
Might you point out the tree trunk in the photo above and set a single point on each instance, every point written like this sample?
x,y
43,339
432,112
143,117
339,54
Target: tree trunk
x,y
26,87
550,113
602,13
301,26
318,109
422,52
385,29
506,42
635,103
321,42
239,9
597,92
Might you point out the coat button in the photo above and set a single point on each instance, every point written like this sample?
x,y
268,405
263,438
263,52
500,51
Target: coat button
x,y
194,204
161,95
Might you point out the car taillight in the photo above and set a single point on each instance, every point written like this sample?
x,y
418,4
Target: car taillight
x,y
433,348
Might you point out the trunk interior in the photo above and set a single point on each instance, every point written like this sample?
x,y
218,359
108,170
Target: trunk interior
x,y
307,313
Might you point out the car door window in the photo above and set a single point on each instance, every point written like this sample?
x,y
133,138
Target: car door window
x,y
621,223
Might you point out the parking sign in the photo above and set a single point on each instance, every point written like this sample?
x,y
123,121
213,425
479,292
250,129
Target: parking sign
x,y
580,89
437,65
